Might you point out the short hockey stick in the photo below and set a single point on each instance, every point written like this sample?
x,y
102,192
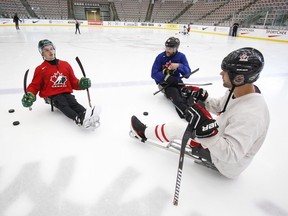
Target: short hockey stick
x,y
192,72
83,72
195,84
25,85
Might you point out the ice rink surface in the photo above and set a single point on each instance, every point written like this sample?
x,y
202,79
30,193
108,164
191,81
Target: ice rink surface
x,y
51,167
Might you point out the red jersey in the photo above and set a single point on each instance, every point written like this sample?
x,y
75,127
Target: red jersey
x,y
51,80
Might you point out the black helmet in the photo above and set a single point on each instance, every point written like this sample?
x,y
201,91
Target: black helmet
x,y
44,43
243,65
172,42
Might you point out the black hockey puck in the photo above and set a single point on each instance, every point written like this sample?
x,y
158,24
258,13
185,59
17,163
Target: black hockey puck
x,y
145,113
11,110
16,123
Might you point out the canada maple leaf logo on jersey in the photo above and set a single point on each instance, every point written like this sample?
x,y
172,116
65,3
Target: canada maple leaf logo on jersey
x,y
58,80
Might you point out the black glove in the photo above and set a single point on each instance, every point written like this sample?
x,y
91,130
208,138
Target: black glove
x,y
171,80
201,94
201,121
196,92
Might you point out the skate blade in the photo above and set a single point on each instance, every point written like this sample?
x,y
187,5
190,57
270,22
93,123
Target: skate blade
x,y
133,134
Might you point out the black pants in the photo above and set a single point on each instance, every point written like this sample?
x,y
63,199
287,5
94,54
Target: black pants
x,y
17,25
67,104
234,32
174,94
77,29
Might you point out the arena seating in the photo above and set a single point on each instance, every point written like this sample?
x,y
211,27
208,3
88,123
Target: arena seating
x,y
226,11
8,8
276,10
165,11
132,10
198,10
201,12
52,9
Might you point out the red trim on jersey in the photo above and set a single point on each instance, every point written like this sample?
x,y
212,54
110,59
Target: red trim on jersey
x,y
156,132
163,133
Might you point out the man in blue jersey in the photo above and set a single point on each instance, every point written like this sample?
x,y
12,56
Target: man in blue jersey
x,y
168,69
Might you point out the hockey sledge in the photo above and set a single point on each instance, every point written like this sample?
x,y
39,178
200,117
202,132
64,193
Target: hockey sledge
x,y
174,146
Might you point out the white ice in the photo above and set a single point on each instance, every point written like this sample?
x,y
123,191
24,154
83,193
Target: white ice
x,y
51,167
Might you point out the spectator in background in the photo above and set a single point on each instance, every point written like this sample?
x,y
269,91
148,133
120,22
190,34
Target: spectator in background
x,y
77,25
188,29
234,29
16,21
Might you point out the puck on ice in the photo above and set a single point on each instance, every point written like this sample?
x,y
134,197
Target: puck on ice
x,y
16,123
145,113
11,110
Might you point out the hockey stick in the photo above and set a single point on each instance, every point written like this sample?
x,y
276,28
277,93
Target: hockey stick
x,y
187,135
195,84
192,72
189,132
25,85
83,72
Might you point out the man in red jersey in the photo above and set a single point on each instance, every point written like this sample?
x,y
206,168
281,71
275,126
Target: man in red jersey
x,y
55,80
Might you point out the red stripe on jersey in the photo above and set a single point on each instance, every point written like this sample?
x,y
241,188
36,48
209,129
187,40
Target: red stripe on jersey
x,y
157,135
163,133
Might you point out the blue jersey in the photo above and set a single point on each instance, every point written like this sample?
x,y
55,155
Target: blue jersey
x,y
161,60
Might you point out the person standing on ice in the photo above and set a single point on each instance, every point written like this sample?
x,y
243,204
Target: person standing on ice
x,y
55,80
77,26
168,69
232,140
188,28
16,20
235,29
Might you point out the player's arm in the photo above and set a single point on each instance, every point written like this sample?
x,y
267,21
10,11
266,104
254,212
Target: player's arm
x,y
156,72
82,84
36,83
235,141
184,67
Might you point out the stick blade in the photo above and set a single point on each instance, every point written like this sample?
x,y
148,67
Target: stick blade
x,y
80,65
25,81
